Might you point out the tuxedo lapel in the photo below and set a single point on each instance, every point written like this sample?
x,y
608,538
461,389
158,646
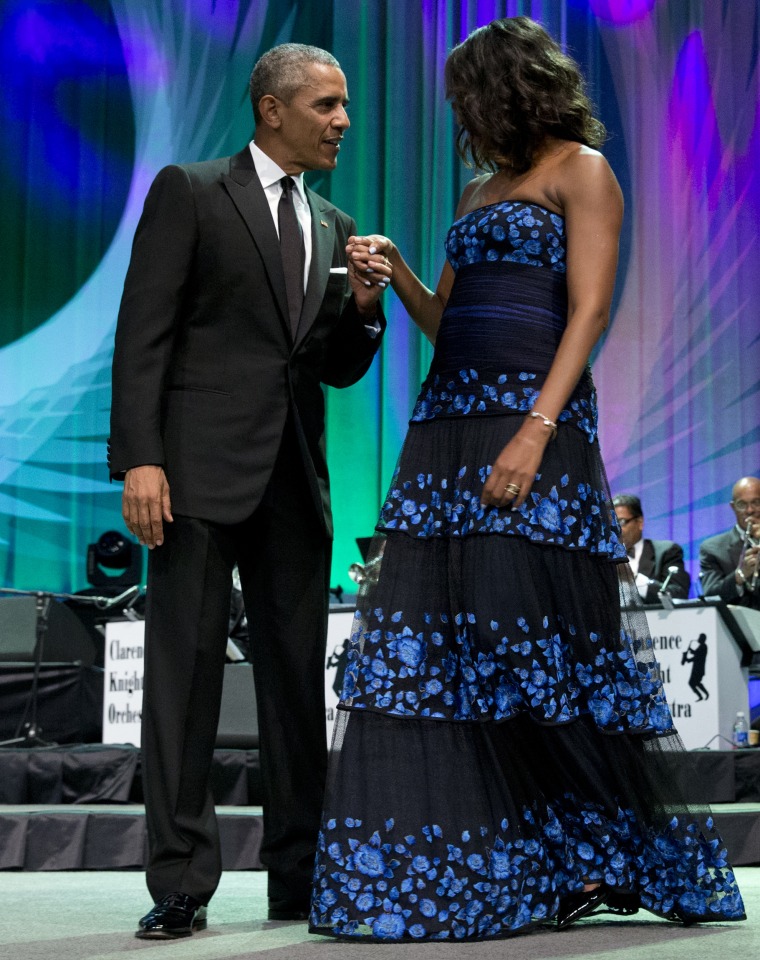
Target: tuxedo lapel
x,y
734,551
646,563
322,246
246,192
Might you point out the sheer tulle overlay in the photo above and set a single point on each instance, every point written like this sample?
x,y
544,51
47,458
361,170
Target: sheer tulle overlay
x,y
503,732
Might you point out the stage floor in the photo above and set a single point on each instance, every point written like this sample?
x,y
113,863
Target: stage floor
x,y
92,916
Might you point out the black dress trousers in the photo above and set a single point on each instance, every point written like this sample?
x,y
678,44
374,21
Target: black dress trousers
x,y
283,555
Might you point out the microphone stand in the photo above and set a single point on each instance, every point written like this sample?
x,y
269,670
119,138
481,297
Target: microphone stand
x,y
43,599
664,597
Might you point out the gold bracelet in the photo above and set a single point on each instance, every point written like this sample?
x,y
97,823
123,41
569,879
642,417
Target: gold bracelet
x,y
546,421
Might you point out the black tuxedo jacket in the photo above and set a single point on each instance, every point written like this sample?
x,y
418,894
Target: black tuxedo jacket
x,y
656,557
718,560
206,370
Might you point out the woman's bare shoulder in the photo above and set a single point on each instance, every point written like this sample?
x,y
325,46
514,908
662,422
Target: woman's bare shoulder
x,y
585,168
470,199
585,178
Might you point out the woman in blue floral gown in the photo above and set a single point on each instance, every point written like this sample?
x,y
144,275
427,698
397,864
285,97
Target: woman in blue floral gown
x,y
499,758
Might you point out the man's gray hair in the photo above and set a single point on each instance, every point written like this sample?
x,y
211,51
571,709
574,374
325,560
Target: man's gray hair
x,y
279,72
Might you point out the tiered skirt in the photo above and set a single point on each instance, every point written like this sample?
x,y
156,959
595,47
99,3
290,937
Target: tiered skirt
x,y
503,735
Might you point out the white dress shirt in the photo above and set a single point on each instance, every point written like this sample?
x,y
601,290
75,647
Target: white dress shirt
x,y
739,586
635,560
270,175
642,582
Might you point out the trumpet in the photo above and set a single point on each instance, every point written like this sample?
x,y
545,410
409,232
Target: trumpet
x,y
362,573
748,543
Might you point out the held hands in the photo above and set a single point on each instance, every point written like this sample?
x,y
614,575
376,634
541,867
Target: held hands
x,y
369,268
515,469
145,503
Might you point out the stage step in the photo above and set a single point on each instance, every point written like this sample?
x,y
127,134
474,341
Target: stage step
x,y
79,807
109,837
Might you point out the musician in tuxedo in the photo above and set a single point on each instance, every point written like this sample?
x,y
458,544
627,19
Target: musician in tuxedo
x,y
728,562
238,305
650,560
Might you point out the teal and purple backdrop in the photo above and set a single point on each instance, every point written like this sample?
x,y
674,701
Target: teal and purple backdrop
x,y
97,95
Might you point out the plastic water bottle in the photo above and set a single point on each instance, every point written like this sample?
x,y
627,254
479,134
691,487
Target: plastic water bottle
x,y
740,736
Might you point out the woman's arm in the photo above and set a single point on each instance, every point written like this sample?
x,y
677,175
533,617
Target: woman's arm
x,y
592,202
423,305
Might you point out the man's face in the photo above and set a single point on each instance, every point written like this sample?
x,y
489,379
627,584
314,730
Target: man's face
x,y
631,527
746,502
313,123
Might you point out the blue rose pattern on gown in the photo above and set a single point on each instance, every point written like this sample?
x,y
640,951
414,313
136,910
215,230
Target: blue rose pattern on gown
x,y
474,885
446,817
449,506
456,669
466,394
508,230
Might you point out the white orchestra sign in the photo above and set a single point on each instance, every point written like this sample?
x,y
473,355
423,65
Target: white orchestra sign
x,y
701,665
124,666
338,636
123,679
704,681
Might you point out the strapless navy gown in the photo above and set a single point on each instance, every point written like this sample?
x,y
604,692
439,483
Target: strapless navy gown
x,y
502,724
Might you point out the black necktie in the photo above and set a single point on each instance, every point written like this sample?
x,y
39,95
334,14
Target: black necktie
x,y
631,551
292,251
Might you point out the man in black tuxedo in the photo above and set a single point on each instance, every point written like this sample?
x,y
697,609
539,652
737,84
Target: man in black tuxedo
x,y
728,564
238,305
649,559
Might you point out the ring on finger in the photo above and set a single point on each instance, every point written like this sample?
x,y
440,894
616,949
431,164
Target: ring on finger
x,y
513,489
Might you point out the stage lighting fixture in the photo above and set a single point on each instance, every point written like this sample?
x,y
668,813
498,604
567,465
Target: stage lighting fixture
x,y
113,561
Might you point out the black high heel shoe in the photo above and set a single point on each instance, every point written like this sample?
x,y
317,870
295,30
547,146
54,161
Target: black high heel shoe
x,y
580,904
622,903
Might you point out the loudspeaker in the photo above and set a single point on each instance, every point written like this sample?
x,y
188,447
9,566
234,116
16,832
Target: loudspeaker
x,y
66,640
238,721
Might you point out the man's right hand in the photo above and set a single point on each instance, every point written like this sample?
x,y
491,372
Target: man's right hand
x,y
749,564
145,504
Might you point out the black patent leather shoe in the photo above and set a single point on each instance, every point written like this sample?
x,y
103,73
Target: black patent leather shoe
x,y
177,915
288,910
577,905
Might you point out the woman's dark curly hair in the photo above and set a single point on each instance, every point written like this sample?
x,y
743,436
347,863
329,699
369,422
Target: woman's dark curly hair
x,y
511,87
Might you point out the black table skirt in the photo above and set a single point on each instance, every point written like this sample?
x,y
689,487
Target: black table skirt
x,y
69,701
110,773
